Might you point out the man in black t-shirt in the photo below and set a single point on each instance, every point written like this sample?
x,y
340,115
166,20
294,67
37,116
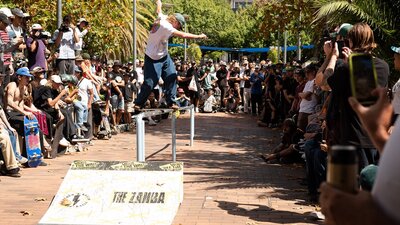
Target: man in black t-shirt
x,y
222,74
344,127
289,89
129,95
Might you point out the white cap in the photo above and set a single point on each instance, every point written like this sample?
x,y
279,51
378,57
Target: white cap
x,y
82,20
43,82
56,79
37,26
37,69
7,12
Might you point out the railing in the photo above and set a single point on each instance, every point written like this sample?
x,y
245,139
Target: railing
x,y
140,129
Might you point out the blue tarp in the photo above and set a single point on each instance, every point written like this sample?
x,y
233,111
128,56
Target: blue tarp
x,y
251,50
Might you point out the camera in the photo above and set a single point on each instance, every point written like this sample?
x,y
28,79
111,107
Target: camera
x,y
42,35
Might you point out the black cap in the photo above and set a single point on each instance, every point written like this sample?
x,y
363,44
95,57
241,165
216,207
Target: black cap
x,y
4,18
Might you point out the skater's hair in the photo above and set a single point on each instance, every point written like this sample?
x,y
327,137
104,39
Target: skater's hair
x,y
172,19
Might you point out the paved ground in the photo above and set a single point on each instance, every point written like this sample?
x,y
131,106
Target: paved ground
x,y
225,182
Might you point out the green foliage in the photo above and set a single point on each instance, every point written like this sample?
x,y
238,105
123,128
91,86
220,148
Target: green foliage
x,y
194,53
111,33
382,16
273,54
215,55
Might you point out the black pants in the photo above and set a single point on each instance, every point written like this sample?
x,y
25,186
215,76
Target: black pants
x,y
256,101
69,129
316,163
224,90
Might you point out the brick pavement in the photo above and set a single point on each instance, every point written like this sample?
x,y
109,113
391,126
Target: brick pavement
x,y
225,182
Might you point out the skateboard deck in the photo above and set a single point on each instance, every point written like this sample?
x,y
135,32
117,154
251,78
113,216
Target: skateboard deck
x,y
32,140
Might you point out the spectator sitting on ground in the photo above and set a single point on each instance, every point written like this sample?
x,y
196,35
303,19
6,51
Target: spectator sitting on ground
x,y
48,99
210,103
286,151
182,100
14,102
38,80
230,101
10,147
84,101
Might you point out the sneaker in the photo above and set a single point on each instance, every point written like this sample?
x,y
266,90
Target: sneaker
x,y
83,128
152,123
196,110
13,173
64,142
23,160
42,163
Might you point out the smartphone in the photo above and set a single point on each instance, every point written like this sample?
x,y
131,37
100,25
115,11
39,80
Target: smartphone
x,y
363,78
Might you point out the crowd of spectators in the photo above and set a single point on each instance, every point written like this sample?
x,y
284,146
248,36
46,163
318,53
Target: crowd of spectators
x,y
76,96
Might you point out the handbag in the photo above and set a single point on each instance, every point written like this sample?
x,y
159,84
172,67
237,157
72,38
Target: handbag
x,y
192,84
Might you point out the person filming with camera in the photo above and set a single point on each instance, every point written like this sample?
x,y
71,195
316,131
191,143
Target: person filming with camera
x,y
36,48
65,38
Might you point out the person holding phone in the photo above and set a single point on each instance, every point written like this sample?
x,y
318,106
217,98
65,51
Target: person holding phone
x,y
65,38
344,127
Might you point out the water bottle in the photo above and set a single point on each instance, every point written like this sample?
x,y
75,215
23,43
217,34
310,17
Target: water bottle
x,y
343,168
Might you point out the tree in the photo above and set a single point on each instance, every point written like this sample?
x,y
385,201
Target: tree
x,y
194,53
382,16
111,33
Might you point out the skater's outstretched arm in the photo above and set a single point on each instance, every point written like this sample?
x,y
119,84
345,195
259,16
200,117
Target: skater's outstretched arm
x,y
159,6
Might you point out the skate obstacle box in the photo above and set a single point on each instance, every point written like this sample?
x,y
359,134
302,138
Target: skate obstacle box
x,y
118,192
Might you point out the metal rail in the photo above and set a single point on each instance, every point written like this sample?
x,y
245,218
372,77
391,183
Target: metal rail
x,y
140,129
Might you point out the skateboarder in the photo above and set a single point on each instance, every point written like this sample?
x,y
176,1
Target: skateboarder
x,y
158,64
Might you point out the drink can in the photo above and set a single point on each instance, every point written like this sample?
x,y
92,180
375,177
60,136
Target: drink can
x,y
343,168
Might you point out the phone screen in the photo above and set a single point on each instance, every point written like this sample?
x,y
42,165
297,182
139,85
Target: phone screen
x,y
363,75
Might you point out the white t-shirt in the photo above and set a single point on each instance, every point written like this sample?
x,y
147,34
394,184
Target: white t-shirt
x,y
157,44
396,97
79,45
84,86
241,75
308,106
387,183
209,103
67,44
14,32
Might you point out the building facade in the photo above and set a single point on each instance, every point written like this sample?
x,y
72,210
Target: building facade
x,y
236,4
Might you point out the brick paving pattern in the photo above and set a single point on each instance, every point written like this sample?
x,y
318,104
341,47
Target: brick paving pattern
x,y
225,182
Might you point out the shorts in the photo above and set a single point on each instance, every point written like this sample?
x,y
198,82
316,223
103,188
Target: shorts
x,y
129,107
117,103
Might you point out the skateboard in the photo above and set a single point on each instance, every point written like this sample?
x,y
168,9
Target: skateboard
x,y
32,140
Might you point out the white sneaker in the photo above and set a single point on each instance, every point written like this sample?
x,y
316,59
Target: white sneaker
x,y
64,142
23,160
196,110
152,123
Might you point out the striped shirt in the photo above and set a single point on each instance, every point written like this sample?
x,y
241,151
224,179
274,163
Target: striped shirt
x,y
5,39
